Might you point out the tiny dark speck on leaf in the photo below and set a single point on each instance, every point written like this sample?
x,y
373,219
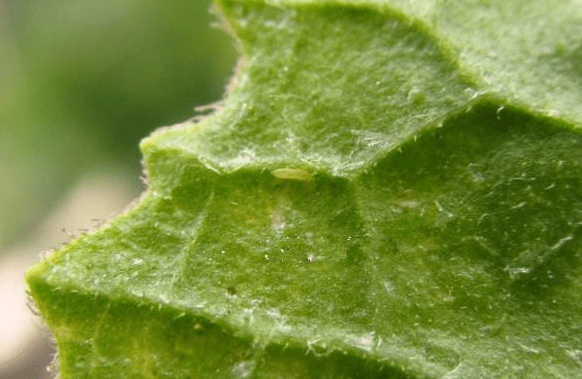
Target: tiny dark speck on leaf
x,y
231,290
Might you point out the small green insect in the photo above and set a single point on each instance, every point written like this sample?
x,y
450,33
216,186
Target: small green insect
x,y
292,174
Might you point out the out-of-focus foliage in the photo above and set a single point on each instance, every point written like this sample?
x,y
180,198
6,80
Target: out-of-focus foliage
x,y
82,81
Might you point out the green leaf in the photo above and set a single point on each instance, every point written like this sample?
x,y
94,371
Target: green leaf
x,y
391,190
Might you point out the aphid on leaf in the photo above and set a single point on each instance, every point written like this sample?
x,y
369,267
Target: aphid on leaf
x,y
292,174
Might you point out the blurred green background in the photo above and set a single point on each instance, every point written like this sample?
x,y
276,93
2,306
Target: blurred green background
x,y
81,82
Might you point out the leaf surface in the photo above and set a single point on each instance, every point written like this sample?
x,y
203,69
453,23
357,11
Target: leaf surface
x,y
391,190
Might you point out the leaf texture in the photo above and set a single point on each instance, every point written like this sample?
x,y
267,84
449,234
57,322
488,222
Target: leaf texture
x,y
391,190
